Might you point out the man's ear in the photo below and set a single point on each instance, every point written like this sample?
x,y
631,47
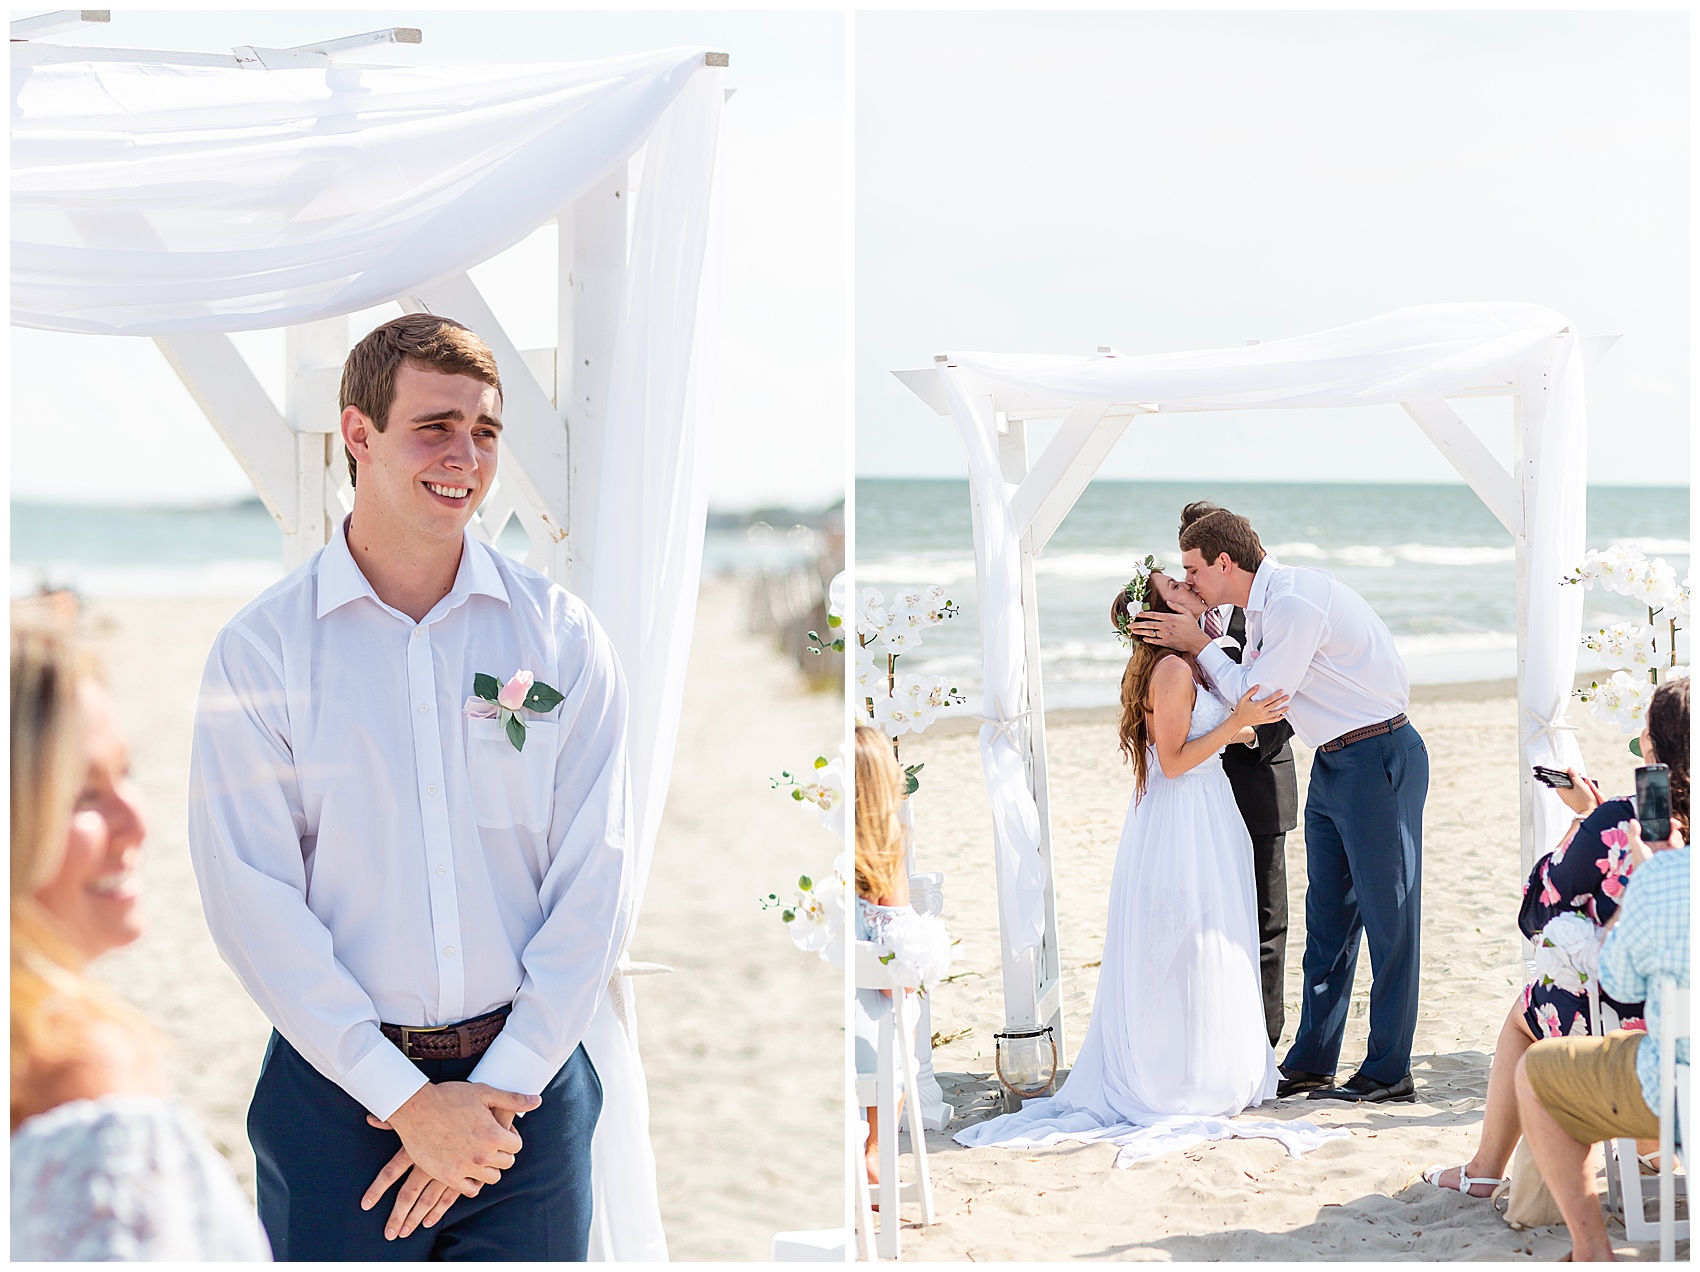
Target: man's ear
x,y
1224,562
357,432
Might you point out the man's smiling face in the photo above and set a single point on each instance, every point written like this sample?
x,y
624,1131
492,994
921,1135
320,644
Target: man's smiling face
x,y
435,461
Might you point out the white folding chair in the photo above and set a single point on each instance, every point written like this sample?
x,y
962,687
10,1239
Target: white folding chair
x,y
895,1071
1627,1189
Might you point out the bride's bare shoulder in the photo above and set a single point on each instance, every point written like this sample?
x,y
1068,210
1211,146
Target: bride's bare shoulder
x,y
1172,669
1171,681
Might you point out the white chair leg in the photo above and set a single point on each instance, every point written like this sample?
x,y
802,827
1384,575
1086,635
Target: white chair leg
x,y
890,1187
866,1250
917,1122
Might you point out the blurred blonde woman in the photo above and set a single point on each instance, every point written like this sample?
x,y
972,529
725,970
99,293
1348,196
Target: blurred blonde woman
x,y
104,1165
882,891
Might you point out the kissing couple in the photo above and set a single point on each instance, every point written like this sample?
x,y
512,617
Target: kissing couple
x,y
1179,1041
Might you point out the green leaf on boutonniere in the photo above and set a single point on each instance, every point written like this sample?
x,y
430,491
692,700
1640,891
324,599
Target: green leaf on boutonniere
x,y
516,733
543,698
486,687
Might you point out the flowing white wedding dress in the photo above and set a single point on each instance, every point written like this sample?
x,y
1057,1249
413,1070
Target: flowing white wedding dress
x,y
1177,1044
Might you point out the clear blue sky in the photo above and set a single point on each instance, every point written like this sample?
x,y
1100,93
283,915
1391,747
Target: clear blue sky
x,y
1048,183
136,436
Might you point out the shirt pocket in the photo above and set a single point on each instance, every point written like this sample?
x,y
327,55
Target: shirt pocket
x,y
511,788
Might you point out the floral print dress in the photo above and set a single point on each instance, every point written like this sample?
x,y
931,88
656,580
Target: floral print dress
x,y
1568,897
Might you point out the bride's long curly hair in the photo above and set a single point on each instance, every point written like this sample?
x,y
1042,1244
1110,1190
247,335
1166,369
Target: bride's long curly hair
x,y
1136,680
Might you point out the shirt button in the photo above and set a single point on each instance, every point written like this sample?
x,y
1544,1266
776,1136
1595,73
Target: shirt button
x,y
450,951
442,869
418,632
430,790
423,708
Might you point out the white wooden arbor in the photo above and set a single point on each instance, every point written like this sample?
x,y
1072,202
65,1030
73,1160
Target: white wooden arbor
x,y
1044,486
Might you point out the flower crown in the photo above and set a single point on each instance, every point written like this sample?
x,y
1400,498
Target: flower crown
x,y
1137,590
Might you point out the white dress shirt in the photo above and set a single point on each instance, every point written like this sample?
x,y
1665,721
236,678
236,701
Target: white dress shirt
x,y
1316,639
368,852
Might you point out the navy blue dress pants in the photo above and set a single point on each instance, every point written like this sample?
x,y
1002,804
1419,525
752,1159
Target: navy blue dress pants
x,y
316,1156
1364,851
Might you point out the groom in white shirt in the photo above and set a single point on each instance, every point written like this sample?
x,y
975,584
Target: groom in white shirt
x,y
424,891
1314,638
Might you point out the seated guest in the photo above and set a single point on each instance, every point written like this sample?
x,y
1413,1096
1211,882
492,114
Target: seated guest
x,y
1575,1092
1570,895
918,943
104,1165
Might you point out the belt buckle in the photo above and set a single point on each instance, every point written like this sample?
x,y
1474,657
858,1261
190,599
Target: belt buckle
x,y
407,1041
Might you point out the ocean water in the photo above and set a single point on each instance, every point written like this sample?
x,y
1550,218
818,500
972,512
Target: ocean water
x,y
1435,564
234,550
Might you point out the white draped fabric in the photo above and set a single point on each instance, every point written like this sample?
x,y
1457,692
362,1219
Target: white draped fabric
x,y
165,200
652,507
1399,356
152,200
997,564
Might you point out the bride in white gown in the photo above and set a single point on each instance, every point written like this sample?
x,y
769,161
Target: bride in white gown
x,y
1177,1044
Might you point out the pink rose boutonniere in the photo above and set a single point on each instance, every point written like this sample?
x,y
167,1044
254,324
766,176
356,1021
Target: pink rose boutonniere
x,y
523,692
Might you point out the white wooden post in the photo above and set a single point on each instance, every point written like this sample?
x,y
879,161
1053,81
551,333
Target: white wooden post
x,y
314,354
1038,972
592,264
1530,407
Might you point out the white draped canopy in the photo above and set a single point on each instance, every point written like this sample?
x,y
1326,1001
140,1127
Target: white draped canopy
x,y
155,200
151,198
1415,357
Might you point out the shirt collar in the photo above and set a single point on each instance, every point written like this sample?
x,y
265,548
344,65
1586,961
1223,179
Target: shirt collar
x,y
341,580
1259,598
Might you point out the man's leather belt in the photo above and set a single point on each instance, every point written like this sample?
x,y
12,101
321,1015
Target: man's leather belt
x,y
449,1042
1368,731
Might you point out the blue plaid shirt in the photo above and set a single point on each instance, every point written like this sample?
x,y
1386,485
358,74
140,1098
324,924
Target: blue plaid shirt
x,y
1650,941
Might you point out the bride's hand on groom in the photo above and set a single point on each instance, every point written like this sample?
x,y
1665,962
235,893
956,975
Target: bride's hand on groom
x,y
1249,713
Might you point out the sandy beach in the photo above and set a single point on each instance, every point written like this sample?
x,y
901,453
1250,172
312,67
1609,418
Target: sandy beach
x,y
737,1158
1356,1198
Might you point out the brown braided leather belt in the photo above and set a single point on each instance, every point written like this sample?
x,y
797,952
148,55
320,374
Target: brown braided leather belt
x,y
1368,731
449,1042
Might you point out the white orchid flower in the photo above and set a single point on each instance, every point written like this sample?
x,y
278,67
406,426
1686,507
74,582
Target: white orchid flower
x,y
871,615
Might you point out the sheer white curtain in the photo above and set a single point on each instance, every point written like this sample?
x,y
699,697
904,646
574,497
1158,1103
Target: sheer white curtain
x,y
155,200
161,200
652,506
1430,349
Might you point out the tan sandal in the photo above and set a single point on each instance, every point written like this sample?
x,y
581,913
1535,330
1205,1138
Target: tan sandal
x,y
1465,1181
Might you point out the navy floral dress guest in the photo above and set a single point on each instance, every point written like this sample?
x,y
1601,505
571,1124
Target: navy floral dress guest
x,y
1569,896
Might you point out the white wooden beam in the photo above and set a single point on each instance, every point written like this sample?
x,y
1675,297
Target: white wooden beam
x,y
314,353
33,28
1071,460
231,398
1470,456
534,444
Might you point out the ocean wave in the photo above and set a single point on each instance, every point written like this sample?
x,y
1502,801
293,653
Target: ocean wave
x,y
211,579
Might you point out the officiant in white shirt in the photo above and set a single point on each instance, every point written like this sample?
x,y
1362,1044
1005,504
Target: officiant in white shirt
x,y
409,818
1310,636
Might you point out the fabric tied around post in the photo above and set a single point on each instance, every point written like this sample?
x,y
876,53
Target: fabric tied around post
x,y
1015,815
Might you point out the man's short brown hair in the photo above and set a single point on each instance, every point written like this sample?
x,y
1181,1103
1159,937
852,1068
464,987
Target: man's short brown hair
x,y
1216,531
436,344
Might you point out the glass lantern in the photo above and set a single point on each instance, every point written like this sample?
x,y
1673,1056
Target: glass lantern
x,y
1027,1061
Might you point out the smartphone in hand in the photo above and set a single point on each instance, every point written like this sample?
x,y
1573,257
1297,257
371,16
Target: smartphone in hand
x,y
1652,801
1552,776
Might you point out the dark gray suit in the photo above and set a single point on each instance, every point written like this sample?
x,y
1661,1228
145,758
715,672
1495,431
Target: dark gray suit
x,y
1266,788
